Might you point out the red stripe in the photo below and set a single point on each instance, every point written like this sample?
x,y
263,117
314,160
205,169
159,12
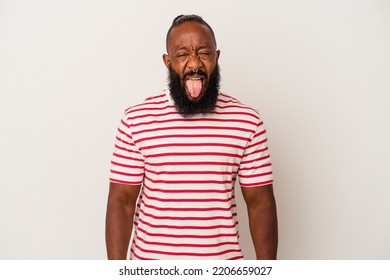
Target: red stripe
x,y
230,104
216,154
257,143
173,218
127,150
124,133
259,133
231,99
185,227
186,120
130,158
240,106
188,199
188,253
149,103
186,244
156,96
186,209
153,115
136,183
126,174
236,258
256,167
229,173
189,181
258,184
237,113
163,95
194,119
254,160
188,190
125,124
184,136
139,257
192,145
193,127
258,151
124,142
126,165
204,163
150,108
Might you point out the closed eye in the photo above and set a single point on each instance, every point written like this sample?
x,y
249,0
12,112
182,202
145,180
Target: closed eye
x,y
181,54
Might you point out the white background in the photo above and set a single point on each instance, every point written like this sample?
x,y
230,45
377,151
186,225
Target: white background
x,y
318,71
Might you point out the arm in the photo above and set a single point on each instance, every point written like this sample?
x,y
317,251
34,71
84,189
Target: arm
x,y
121,204
263,222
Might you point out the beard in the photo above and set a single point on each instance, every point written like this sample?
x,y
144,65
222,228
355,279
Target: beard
x,y
183,104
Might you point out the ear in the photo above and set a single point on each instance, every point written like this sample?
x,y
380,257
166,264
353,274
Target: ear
x,y
218,53
166,60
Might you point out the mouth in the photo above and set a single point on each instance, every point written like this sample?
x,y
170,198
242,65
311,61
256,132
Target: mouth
x,y
194,86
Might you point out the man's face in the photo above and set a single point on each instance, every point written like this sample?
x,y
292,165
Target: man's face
x,y
192,58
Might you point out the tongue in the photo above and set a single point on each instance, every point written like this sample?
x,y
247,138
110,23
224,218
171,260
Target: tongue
x,y
194,87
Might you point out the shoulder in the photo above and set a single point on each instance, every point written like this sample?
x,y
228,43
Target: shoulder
x,y
228,102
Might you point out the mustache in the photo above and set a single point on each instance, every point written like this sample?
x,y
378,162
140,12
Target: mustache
x,y
186,107
193,73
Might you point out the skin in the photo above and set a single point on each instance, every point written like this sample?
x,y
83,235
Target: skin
x,y
122,200
263,222
191,46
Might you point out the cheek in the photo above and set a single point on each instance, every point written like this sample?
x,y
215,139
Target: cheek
x,y
178,68
210,67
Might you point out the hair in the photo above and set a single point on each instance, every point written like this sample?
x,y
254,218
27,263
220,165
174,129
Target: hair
x,y
179,20
188,108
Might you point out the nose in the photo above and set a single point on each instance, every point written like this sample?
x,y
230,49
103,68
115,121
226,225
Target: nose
x,y
194,62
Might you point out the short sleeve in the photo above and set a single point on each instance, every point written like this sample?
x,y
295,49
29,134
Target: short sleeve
x,y
255,167
127,164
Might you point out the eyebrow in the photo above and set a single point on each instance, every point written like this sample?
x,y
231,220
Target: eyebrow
x,y
179,49
174,49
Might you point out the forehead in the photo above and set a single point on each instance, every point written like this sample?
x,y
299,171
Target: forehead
x,y
190,35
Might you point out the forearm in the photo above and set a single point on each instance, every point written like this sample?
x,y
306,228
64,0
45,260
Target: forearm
x,y
119,224
264,230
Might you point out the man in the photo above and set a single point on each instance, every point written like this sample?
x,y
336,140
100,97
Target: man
x,y
181,152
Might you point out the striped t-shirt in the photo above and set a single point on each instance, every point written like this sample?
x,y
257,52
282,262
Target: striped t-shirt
x,y
188,168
